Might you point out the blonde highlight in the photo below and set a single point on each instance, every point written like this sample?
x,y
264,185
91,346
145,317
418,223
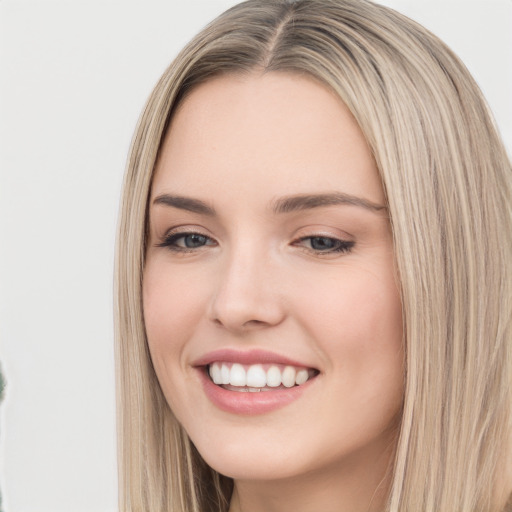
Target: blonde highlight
x,y
447,178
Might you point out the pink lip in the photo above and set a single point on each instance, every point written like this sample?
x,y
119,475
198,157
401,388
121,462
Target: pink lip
x,y
246,357
237,402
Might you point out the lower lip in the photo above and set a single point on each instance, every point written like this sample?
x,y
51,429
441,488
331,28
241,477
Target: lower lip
x,y
240,402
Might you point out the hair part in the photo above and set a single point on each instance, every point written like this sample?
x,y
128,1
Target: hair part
x,y
447,181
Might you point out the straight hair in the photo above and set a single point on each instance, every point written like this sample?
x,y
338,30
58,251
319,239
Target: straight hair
x,y
447,181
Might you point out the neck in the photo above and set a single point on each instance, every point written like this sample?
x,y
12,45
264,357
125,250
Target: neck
x,y
361,486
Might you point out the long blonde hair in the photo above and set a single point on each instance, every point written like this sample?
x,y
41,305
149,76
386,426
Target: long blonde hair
x,y
447,180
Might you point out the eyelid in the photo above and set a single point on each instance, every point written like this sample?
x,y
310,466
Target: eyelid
x,y
186,228
344,241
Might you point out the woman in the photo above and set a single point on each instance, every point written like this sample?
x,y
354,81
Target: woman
x,y
313,273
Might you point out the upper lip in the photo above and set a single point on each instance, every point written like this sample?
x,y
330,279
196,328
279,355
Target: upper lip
x,y
254,356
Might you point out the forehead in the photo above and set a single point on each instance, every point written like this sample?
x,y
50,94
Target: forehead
x,y
266,132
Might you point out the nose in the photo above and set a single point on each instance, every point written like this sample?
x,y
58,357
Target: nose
x,y
248,293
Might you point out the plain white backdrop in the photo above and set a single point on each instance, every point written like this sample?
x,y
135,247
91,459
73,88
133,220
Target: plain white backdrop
x,y
74,75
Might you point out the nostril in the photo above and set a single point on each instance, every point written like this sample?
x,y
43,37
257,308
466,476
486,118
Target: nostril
x,y
235,321
255,323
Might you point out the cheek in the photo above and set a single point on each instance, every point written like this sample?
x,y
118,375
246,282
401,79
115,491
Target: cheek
x,y
171,310
356,304
357,323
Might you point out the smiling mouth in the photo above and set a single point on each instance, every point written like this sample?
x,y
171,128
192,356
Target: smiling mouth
x,y
255,378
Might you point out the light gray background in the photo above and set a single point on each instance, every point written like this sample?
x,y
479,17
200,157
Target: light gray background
x,y
73,78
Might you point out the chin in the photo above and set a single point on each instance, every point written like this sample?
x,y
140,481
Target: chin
x,y
255,468
261,454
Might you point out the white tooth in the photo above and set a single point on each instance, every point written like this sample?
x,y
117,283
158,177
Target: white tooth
x,y
237,375
256,376
288,376
302,376
215,373
254,390
273,377
224,374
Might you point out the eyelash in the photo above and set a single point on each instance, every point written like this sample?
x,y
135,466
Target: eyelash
x,y
339,246
170,241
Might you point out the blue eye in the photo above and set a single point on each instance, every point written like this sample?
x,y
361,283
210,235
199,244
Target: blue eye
x,y
193,240
186,242
325,244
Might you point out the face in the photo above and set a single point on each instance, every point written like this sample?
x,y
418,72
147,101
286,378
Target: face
x,y
272,311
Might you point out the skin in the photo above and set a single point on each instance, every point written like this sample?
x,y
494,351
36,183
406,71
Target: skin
x,y
258,282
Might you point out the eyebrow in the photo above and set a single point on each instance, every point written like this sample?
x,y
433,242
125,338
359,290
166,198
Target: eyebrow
x,y
185,203
282,205
309,201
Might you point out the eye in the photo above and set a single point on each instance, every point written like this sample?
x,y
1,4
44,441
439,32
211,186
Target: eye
x,y
325,244
186,241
